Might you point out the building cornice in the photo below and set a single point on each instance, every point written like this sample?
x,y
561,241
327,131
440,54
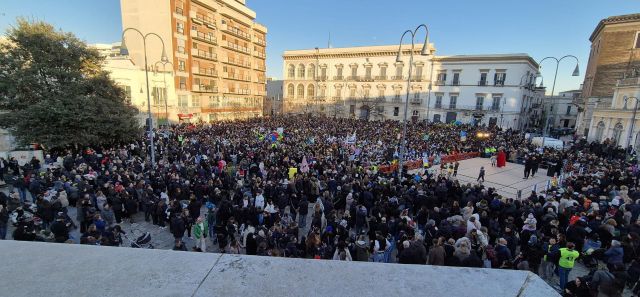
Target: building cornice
x,y
486,58
391,53
619,19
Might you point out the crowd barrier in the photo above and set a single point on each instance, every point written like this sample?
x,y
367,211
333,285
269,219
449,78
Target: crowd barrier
x,y
419,163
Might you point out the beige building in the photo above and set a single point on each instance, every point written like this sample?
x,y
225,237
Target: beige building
x,y
216,47
613,119
367,82
615,53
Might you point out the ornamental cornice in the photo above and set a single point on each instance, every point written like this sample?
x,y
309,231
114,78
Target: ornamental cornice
x,y
351,55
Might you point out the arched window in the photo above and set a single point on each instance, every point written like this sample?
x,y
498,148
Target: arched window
x,y
599,131
300,91
291,70
311,91
290,90
617,133
300,71
311,71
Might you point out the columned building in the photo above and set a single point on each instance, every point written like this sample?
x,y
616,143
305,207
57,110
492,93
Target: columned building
x,y
617,120
216,47
368,82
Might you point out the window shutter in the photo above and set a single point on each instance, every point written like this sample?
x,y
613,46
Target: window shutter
x,y
504,78
495,77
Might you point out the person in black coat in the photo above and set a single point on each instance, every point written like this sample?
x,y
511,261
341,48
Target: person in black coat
x,y
303,211
116,203
472,261
252,245
132,208
177,227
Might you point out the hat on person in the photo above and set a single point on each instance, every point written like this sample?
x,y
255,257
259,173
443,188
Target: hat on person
x,y
105,204
329,229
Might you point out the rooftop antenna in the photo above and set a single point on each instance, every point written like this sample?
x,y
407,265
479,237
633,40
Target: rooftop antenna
x,y
329,43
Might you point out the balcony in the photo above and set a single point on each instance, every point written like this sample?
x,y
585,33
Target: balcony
x,y
498,83
397,78
383,77
396,99
261,93
204,55
455,83
237,91
179,11
321,78
183,86
259,67
204,71
259,41
237,62
340,77
416,101
204,88
441,83
463,107
365,78
180,30
320,98
352,77
204,37
630,81
336,98
181,50
201,18
351,99
260,55
381,99
417,78
494,108
259,80
235,31
482,83
236,47
438,106
236,76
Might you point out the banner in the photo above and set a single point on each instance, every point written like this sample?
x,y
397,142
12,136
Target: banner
x,y
351,138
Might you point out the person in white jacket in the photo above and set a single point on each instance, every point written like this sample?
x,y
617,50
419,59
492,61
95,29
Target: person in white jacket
x,y
259,203
342,253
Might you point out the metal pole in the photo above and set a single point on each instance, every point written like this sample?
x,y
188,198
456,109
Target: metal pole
x,y
633,122
406,110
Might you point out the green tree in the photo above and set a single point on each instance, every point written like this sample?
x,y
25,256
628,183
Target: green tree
x,y
53,90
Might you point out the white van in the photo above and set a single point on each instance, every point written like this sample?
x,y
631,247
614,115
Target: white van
x,y
548,142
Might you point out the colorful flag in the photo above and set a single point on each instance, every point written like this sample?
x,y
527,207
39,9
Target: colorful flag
x,y
351,138
305,166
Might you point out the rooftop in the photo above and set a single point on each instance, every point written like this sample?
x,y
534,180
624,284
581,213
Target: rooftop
x,y
618,19
71,269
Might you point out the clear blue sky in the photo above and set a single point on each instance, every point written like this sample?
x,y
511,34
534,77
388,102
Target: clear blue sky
x,y
539,28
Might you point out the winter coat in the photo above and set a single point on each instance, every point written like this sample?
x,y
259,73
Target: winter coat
x,y
177,227
360,217
437,255
614,255
503,253
108,216
132,206
362,251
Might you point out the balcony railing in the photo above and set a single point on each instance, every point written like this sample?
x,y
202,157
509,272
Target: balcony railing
x,y
352,77
336,98
455,83
203,54
338,77
417,78
381,99
204,37
320,98
383,77
321,78
204,88
396,99
180,30
630,81
260,67
482,83
237,47
179,11
238,76
260,41
498,83
441,83
204,71
181,49
365,78
397,77
494,108
416,101
236,31
260,55
465,107
351,99
238,91
201,18
238,62
438,106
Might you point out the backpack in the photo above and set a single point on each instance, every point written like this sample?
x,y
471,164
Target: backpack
x,y
491,253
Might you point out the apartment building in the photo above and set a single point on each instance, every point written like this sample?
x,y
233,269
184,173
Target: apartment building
x,y
217,51
368,82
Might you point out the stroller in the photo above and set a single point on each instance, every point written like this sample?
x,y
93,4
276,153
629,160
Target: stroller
x,y
141,241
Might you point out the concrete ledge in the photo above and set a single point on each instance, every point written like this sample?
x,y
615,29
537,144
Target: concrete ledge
x,y
46,269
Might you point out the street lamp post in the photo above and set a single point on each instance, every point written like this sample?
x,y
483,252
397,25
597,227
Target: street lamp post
x,y
633,121
504,102
406,105
166,93
576,72
125,52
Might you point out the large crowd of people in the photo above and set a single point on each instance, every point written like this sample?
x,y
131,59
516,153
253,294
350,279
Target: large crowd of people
x,y
304,187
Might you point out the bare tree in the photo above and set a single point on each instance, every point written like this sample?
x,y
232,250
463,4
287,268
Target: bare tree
x,y
371,108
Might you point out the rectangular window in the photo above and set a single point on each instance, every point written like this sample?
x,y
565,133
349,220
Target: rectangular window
x,y
416,95
127,93
338,93
456,78
438,101
381,93
352,109
453,101
195,101
396,111
158,95
194,45
637,43
383,72
397,94
183,83
569,110
182,66
418,70
483,79
479,102
399,72
340,73
442,78
495,105
499,79
180,28
354,71
183,101
323,73
352,93
368,72
366,93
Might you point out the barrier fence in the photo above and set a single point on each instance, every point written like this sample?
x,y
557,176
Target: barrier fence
x,y
420,163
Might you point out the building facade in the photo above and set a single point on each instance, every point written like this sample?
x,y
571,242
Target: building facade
x,y
615,53
367,82
217,51
617,120
272,102
563,111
